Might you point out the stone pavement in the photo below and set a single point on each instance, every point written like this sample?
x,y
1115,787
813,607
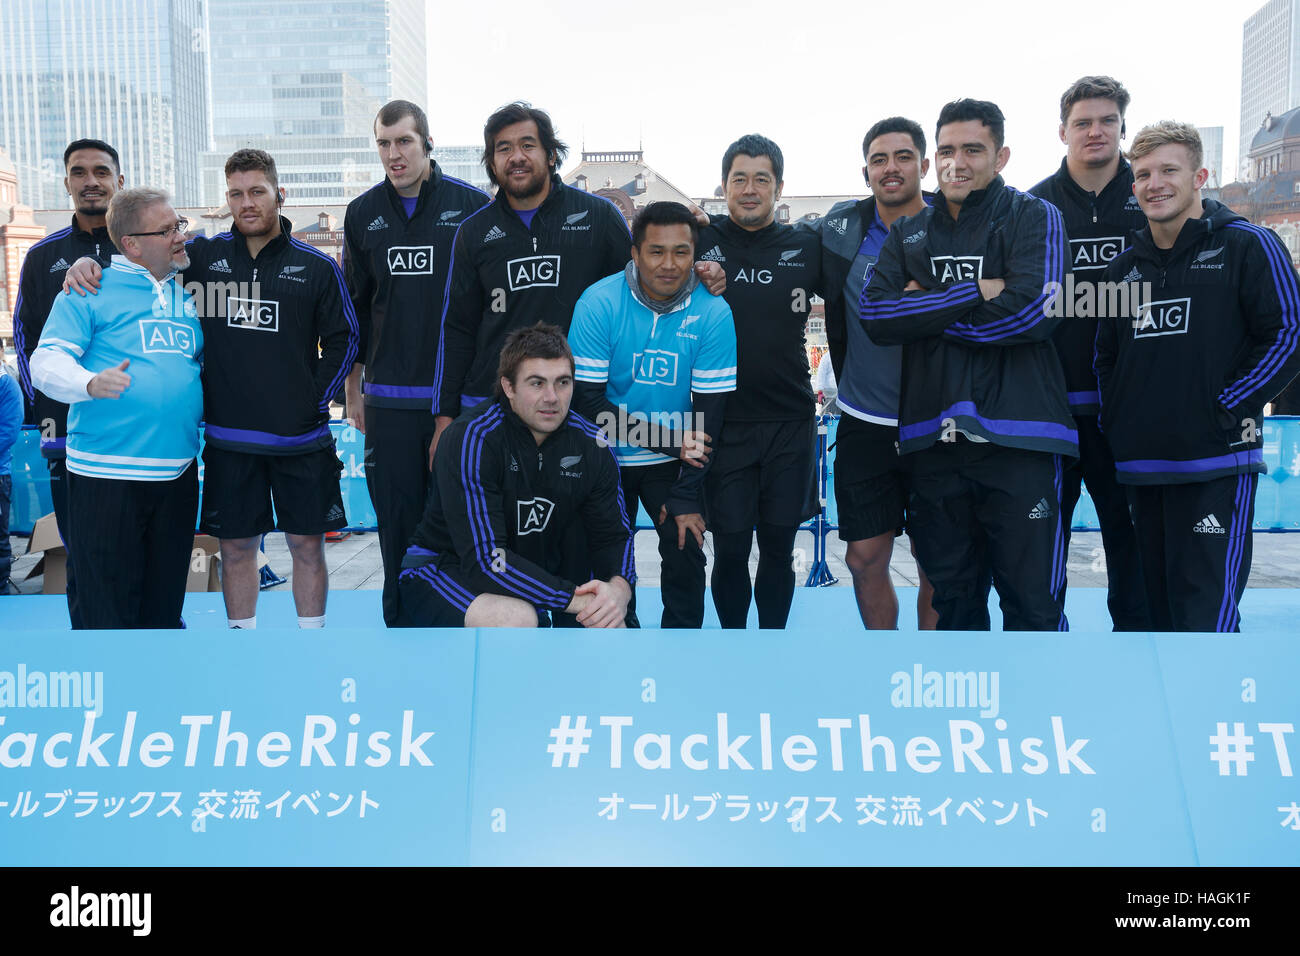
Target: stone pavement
x,y
354,562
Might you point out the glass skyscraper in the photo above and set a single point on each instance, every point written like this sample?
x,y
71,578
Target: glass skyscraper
x,y
130,72
303,81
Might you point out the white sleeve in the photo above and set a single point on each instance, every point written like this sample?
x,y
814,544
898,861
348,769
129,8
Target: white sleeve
x,y
56,373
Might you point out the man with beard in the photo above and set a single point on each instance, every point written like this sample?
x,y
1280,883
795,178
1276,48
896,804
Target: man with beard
x,y
524,258
93,175
1093,189
871,482
128,361
280,336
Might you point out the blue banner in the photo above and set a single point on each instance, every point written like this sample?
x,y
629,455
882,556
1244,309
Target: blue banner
x,y
261,747
366,746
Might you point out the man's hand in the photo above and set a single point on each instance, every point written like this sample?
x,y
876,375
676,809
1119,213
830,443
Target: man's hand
x,y
713,276
440,423
356,409
607,606
110,383
701,217
913,286
695,448
694,523
991,288
83,277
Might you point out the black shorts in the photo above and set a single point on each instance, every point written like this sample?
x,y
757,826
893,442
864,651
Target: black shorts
x,y
871,480
431,597
439,596
238,487
763,472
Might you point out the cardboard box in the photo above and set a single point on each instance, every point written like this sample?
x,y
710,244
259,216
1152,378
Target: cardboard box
x,y
205,564
54,562
205,560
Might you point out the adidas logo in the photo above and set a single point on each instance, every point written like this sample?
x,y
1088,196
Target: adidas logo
x,y
377,224
1042,510
334,513
494,233
59,266
221,265
839,225
1209,525
449,214
914,237
1133,276
514,465
714,255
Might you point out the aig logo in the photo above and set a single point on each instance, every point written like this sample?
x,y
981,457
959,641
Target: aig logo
x,y
957,268
253,314
533,271
654,367
1087,255
410,261
534,515
1166,317
163,335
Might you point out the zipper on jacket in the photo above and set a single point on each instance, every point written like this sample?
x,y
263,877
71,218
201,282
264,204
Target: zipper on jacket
x,y
254,273
539,459
1162,277
1094,212
534,243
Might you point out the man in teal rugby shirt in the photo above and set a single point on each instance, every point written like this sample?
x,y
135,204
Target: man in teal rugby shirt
x,y
127,362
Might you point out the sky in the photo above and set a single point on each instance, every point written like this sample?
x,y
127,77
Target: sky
x,y
683,80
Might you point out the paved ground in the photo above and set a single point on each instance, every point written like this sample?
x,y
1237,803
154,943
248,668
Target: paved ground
x,y
354,562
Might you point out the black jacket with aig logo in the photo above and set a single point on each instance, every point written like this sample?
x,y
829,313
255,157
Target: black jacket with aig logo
x,y
1208,336
396,271
279,337
983,367
772,275
505,276
503,508
1100,226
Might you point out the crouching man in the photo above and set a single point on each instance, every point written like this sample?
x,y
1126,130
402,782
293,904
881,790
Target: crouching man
x,y
515,482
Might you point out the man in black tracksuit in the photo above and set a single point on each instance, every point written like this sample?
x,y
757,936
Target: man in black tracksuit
x,y
1093,189
964,286
764,464
93,175
280,337
524,258
1209,336
516,479
397,251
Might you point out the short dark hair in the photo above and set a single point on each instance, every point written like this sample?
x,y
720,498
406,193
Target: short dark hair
x,y
395,111
532,341
98,144
754,145
253,160
1094,88
895,124
521,112
960,111
663,214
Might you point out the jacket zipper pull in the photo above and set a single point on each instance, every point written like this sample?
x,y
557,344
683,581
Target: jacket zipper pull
x,y
254,273
534,243
539,460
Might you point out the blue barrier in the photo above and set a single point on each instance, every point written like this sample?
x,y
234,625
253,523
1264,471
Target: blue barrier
x,y
1277,503
375,747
